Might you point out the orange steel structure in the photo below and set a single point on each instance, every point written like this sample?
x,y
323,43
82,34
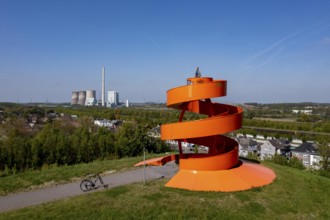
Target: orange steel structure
x,y
219,169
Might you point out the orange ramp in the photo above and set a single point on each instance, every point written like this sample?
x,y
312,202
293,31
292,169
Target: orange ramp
x,y
158,161
220,169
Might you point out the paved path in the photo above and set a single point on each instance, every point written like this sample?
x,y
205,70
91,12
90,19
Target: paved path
x,y
25,199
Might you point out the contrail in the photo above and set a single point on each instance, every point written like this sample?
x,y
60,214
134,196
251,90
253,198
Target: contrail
x,y
271,47
251,68
268,53
153,42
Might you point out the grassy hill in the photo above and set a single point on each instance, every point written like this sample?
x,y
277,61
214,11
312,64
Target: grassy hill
x,y
54,175
294,195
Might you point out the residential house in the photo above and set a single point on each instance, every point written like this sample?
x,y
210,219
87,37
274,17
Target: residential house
x,y
307,153
116,123
102,122
246,145
304,111
33,118
107,123
186,147
154,132
274,146
296,142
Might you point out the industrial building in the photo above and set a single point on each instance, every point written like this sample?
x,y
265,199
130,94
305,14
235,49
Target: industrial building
x,y
74,98
113,99
84,98
90,98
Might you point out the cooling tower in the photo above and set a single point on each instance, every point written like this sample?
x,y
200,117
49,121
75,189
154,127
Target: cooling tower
x,y
82,98
90,97
74,98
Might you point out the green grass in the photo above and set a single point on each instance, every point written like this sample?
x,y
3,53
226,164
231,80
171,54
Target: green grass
x,y
50,176
295,194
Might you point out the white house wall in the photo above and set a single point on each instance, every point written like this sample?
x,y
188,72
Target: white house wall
x,y
266,150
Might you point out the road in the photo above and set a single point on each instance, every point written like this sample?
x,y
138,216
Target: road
x,y
285,130
25,199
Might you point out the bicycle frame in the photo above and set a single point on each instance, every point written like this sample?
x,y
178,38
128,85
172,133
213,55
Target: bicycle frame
x,y
90,182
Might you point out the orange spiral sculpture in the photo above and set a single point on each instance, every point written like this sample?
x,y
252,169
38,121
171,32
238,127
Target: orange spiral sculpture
x,y
219,169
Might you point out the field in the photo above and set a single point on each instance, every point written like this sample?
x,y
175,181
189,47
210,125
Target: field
x,y
294,195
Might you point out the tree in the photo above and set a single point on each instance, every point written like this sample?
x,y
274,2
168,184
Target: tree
x,y
296,163
324,151
36,153
131,139
86,122
86,146
63,149
327,114
15,149
104,142
250,114
157,146
2,156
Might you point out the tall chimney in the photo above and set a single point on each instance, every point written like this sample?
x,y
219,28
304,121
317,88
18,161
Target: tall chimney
x,y
103,85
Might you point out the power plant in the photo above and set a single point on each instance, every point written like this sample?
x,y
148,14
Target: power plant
x,y
88,97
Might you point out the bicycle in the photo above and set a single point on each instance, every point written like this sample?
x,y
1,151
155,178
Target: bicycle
x,y
90,183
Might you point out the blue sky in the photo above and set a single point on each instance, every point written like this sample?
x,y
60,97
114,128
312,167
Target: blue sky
x,y
268,51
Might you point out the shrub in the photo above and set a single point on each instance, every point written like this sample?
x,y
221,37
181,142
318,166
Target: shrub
x,y
282,160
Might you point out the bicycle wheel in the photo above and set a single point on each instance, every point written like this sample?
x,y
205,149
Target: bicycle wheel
x,y
86,185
